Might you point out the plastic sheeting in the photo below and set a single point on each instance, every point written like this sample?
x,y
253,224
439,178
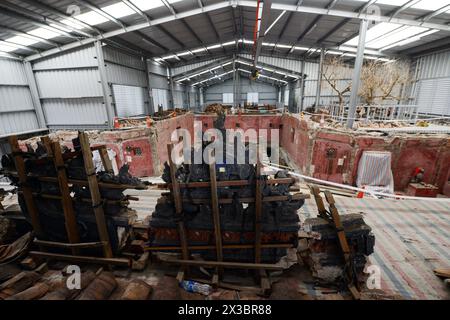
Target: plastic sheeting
x,y
374,172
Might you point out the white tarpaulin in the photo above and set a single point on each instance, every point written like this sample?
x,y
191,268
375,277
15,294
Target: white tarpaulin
x,y
374,172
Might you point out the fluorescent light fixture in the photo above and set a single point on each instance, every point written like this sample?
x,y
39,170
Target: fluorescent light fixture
x,y
229,43
184,53
285,46
301,48
275,22
198,50
269,44
215,46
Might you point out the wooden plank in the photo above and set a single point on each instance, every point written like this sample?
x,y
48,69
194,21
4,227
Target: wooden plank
x,y
258,213
351,282
225,246
82,259
228,183
225,264
84,183
178,204
66,200
319,201
95,194
107,164
69,245
27,192
296,196
216,214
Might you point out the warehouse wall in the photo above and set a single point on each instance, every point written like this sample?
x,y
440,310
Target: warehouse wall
x,y
17,109
159,88
431,90
127,70
266,92
70,90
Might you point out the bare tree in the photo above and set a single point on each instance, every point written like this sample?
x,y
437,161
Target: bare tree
x,y
336,73
382,81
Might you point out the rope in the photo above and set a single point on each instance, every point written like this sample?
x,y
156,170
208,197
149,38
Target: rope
x,y
374,194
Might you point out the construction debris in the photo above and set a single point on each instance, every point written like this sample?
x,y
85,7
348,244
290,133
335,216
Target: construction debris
x,y
324,257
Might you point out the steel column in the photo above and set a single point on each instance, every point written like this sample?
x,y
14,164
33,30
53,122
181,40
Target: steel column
x,y
107,94
302,86
357,73
35,95
319,78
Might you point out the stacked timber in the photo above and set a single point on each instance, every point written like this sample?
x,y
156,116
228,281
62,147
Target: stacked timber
x,y
324,255
250,206
45,178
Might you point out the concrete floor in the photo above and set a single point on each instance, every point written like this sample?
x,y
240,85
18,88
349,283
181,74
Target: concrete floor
x,y
412,239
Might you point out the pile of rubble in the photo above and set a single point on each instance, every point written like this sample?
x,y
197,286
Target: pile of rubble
x,y
323,254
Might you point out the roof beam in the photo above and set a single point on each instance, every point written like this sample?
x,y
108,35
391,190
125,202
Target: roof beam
x,y
435,13
350,14
404,7
136,9
314,23
42,20
265,17
151,41
36,22
240,4
62,15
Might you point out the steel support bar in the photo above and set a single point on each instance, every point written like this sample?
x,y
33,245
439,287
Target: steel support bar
x,y
357,73
35,95
107,95
319,78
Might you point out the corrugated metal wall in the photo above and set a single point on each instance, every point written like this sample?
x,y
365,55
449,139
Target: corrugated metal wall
x,y
70,90
267,94
158,83
17,111
124,69
431,89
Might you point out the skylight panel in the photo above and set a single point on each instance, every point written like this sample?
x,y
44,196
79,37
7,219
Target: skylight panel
x,y
43,33
397,36
411,39
375,32
92,18
431,5
23,41
6,47
145,5
397,3
118,10
73,24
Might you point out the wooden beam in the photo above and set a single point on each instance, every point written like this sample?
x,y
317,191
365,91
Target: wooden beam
x,y
216,213
178,204
70,219
95,194
69,245
107,164
82,259
225,246
226,264
27,192
258,213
